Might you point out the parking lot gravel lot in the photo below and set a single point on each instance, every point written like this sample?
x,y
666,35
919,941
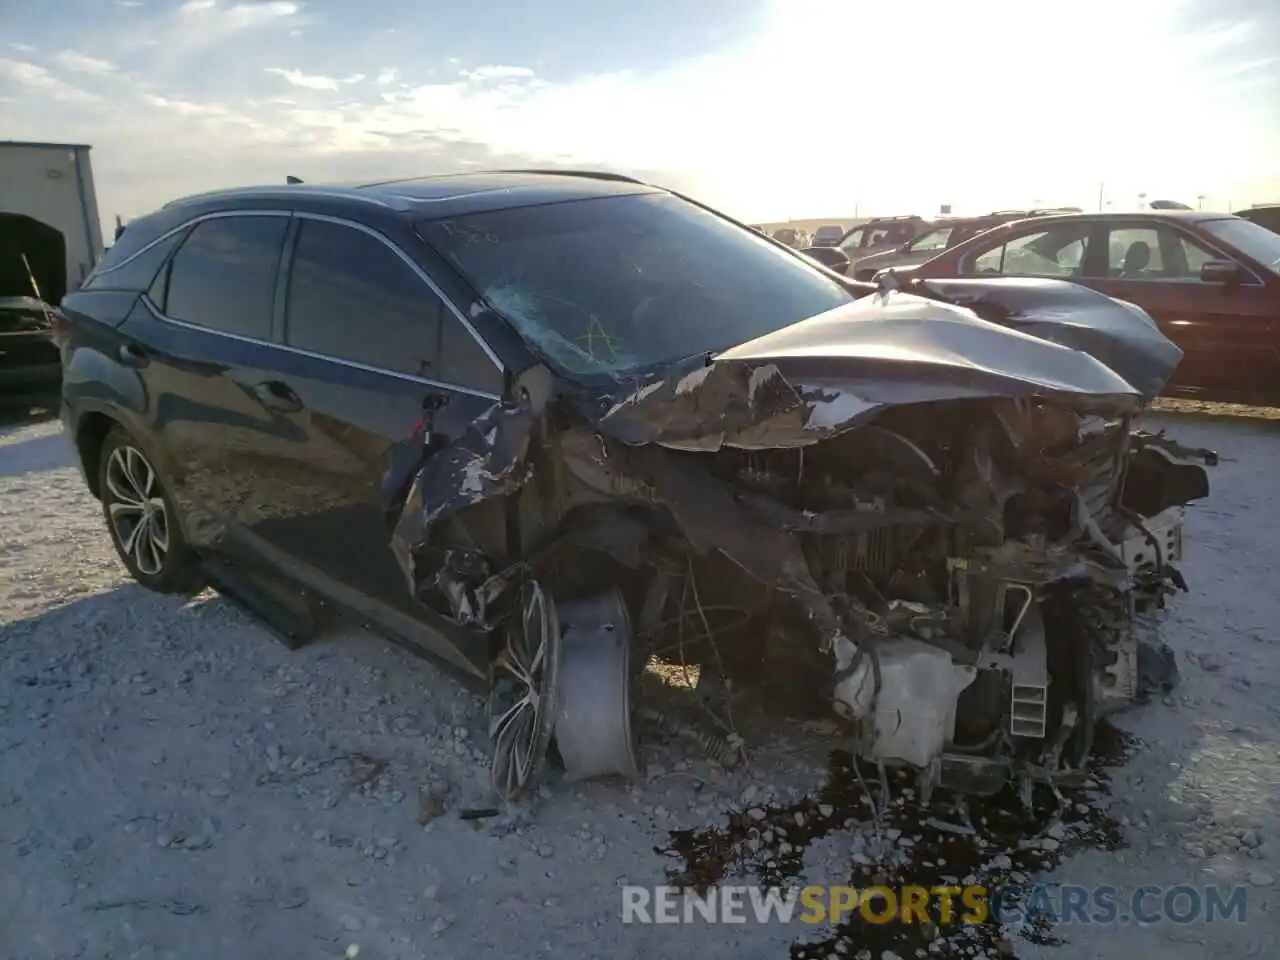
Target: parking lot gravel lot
x,y
175,783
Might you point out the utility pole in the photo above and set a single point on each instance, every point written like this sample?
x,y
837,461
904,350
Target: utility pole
x,y
1199,201
1102,193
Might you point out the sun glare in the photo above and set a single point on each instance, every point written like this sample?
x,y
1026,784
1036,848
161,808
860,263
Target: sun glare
x,y
985,103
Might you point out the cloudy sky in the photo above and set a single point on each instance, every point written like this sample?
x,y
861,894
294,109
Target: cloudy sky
x,y
767,108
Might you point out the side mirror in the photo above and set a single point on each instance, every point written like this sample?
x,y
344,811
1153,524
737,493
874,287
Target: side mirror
x,y
831,257
1220,271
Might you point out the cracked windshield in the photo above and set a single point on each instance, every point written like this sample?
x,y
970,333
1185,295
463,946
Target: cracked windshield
x,y
619,283
598,480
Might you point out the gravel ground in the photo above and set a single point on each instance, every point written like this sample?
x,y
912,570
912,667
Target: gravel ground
x,y
174,783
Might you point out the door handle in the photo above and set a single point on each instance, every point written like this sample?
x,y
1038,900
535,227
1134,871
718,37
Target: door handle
x,y
132,355
278,396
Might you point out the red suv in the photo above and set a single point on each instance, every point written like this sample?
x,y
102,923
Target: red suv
x,y
1211,281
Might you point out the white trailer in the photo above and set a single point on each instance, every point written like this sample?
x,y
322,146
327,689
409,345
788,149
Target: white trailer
x,y
49,215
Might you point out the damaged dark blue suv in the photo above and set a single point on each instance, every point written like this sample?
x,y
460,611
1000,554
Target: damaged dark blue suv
x,y
535,423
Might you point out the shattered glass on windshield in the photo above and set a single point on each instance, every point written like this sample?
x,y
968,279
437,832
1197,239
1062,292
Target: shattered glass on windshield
x,y
613,284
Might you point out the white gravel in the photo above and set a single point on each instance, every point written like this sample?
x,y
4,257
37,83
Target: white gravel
x,y
174,783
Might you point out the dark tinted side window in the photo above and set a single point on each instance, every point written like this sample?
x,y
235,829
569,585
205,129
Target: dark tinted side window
x,y
139,272
224,276
353,297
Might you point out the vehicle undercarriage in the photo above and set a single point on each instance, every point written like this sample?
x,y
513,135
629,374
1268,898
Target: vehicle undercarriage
x,y
962,553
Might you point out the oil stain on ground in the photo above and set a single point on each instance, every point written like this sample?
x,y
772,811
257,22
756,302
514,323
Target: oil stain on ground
x,y
997,842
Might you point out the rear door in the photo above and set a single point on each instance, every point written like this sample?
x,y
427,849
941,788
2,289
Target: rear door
x,y
200,341
367,339
1224,331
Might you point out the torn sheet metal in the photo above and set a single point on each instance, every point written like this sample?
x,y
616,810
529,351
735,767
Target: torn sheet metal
x,y
1117,333
702,406
490,459
823,376
897,347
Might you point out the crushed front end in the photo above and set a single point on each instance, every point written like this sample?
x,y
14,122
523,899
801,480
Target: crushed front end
x,y
988,573
947,527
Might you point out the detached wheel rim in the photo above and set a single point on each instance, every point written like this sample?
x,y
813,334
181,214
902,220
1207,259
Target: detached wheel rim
x,y
136,510
522,695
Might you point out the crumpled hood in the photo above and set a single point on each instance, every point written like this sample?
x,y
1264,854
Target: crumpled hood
x,y
821,376
1120,334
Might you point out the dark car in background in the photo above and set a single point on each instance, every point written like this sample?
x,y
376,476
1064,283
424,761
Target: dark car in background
x,y
828,235
881,233
1266,215
1210,281
30,368
533,424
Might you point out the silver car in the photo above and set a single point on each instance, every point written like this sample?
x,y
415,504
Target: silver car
x,y
882,233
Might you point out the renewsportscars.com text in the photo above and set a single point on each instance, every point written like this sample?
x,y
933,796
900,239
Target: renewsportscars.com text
x,y
1059,903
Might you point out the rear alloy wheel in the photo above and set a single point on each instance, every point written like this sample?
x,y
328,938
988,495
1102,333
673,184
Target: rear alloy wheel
x,y
141,518
522,695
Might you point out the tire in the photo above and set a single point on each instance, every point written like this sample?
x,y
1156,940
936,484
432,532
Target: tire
x,y
147,539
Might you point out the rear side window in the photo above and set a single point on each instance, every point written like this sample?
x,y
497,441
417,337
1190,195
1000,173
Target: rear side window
x,y
352,297
224,276
139,273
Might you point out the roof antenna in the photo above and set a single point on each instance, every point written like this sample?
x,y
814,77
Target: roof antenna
x,y
292,179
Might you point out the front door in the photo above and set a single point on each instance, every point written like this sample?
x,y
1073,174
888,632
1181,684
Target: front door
x,y
367,341
1226,332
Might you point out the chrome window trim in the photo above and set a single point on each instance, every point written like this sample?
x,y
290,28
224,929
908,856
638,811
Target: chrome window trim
x,y
324,218
155,311
216,215
355,365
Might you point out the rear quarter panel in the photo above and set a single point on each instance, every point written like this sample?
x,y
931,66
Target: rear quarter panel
x,y
94,382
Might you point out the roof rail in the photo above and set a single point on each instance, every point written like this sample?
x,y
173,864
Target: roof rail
x,y
590,174
259,190
1034,212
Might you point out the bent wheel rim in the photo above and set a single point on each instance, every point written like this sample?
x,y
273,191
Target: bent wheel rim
x,y
522,695
136,510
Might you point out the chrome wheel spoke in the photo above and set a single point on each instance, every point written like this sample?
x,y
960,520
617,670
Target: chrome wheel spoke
x,y
145,553
522,695
536,628
130,541
140,474
160,531
118,484
121,509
